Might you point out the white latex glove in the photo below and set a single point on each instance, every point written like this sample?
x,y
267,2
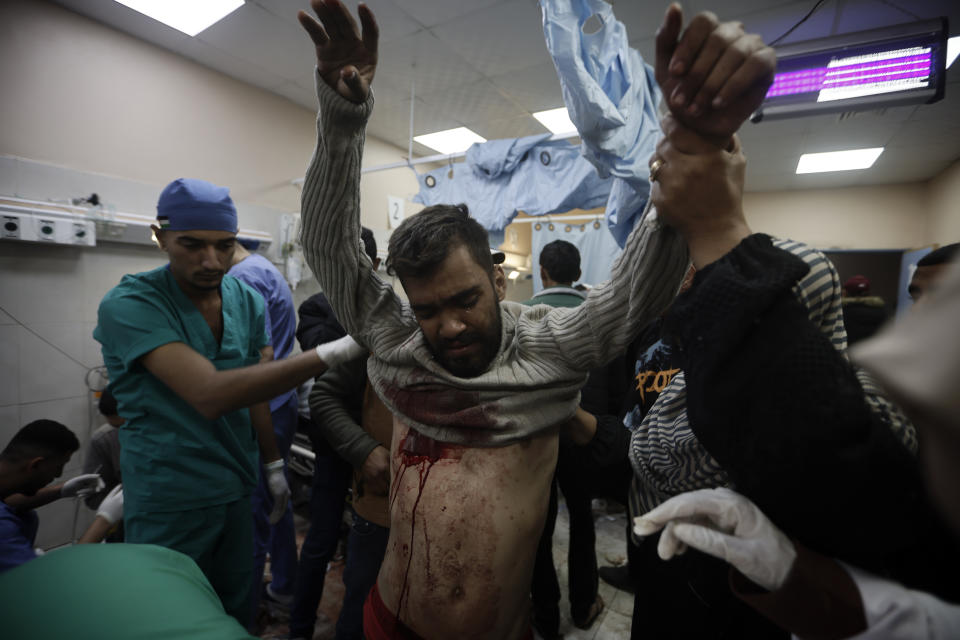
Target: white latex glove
x,y
724,524
82,486
339,351
111,509
279,489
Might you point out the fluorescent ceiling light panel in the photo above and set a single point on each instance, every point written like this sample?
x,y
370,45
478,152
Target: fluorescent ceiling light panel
x,y
189,16
953,48
450,141
838,160
556,120
514,275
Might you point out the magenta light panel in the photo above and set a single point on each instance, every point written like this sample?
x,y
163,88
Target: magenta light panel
x,y
863,75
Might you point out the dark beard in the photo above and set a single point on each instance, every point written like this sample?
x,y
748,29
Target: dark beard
x,y
489,346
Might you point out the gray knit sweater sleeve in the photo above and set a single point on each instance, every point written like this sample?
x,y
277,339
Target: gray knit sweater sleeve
x,y
365,305
534,381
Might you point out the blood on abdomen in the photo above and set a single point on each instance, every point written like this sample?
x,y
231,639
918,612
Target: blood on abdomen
x,y
421,451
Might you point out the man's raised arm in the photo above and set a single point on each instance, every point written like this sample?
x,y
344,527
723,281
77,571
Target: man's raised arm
x,y
330,207
713,76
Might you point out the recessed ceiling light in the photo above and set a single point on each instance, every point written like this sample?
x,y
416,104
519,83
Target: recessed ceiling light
x,y
556,120
514,275
189,16
838,160
450,141
953,48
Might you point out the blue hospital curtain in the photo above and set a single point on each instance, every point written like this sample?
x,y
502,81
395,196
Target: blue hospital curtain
x,y
597,247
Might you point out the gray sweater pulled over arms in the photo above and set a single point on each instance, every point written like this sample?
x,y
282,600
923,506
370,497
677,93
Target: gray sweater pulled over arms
x,y
534,380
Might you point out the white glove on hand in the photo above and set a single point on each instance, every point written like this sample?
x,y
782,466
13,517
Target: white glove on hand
x,y
339,351
111,509
726,525
279,489
82,486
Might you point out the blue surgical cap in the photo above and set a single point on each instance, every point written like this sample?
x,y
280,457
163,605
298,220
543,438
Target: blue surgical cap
x,y
187,204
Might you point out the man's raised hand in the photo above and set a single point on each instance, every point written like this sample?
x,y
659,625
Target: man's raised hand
x,y
346,57
714,75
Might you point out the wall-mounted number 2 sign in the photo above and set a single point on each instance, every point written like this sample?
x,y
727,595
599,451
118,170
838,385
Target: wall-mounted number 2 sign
x,y
394,211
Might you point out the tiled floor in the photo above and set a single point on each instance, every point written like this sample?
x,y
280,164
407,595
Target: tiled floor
x,y
612,624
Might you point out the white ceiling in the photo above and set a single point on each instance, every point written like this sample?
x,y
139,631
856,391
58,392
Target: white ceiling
x,y
483,64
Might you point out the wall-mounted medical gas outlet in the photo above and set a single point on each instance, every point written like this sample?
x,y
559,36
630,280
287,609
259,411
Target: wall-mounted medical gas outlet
x,y
10,228
49,228
46,230
55,223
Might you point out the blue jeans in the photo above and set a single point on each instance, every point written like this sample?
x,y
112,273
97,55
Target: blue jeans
x,y
279,539
331,478
365,550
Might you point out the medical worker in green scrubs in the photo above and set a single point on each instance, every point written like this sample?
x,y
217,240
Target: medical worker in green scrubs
x,y
182,344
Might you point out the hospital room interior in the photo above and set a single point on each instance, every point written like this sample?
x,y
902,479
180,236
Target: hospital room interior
x,y
261,377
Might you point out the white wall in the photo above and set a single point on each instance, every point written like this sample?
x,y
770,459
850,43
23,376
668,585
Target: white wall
x,y
884,217
85,108
943,222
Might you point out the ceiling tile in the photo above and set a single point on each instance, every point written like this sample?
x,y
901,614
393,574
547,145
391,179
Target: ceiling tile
x,y
226,63
478,37
260,37
129,21
425,60
433,12
466,104
534,88
393,22
518,127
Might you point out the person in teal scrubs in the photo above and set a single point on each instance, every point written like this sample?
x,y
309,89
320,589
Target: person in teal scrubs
x,y
192,370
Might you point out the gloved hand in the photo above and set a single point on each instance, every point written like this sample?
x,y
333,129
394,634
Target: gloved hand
x,y
724,524
111,509
339,351
82,486
279,489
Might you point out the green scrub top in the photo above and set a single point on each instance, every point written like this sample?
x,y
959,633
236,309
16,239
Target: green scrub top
x,y
98,591
171,457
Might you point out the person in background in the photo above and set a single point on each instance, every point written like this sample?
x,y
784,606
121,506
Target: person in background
x,y
359,428
559,269
863,314
930,269
193,372
278,538
811,594
332,473
28,464
103,452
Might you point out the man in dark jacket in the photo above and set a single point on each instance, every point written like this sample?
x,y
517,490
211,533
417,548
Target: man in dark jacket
x,y
331,473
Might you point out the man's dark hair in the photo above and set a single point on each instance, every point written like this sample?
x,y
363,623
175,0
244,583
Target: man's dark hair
x,y
939,256
424,240
561,260
40,438
108,404
369,243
